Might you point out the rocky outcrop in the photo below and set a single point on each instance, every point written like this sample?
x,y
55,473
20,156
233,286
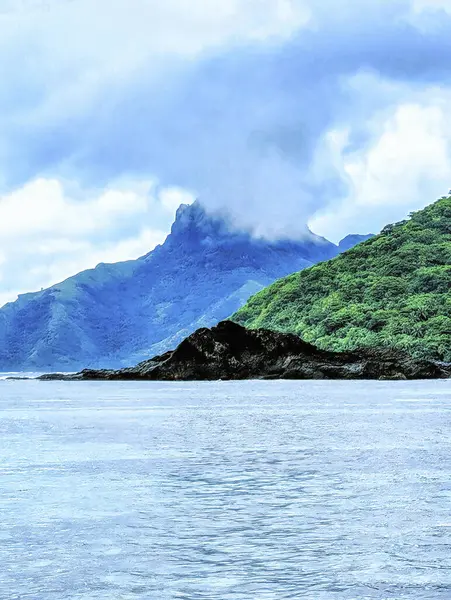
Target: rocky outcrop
x,y
229,351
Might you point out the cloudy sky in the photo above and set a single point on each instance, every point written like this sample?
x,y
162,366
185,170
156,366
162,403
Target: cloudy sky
x,y
113,112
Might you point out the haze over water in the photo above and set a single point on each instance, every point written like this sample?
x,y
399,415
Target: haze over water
x,y
228,491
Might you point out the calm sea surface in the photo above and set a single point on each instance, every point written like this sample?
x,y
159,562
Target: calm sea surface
x,y
227,491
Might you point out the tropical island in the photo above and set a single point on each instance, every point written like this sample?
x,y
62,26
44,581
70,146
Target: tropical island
x,y
381,310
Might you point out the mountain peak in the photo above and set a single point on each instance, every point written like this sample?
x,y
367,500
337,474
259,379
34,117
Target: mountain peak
x,y
188,215
194,221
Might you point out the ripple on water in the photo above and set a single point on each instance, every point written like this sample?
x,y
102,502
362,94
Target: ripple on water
x,y
262,490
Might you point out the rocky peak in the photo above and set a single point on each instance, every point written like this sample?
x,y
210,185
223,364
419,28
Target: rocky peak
x,y
192,221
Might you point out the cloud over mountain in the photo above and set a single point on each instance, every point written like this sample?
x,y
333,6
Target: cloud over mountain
x,y
280,111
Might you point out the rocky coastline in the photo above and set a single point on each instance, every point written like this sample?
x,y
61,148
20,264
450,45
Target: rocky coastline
x,y
231,352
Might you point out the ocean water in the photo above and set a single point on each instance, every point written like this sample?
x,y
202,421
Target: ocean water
x,y
228,491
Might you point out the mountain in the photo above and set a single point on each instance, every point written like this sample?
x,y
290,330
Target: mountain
x,y
352,240
118,314
229,351
392,290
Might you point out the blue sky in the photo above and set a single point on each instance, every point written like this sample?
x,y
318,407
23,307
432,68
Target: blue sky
x,y
331,112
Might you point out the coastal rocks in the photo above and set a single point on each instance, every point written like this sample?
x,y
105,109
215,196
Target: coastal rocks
x,y
231,352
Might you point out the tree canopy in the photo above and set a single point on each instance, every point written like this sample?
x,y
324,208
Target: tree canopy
x,y
392,290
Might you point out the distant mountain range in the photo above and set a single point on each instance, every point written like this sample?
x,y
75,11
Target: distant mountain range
x,y
352,240
118,314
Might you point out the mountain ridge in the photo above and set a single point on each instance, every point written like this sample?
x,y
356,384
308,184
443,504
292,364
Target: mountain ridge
x,y
352,240
117,314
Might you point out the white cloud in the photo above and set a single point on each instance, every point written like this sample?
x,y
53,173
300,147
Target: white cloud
x,y
172,197
118,34
46,234
406,168
252,133
413,148
62,59
420,6
63,259
42,206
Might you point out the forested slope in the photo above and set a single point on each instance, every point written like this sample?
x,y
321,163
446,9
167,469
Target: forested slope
x,y
392,290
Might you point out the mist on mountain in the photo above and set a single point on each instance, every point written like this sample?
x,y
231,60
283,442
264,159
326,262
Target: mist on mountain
x,y
118,314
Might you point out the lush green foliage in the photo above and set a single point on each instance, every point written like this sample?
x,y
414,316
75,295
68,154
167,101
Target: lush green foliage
x,y
394,290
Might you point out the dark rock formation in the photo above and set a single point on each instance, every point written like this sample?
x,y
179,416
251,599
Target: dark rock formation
x,y
229,351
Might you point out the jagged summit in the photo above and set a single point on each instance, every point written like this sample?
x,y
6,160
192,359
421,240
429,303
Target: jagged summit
x,y
194,222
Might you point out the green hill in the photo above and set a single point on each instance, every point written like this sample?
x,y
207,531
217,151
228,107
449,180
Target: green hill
x,y
392,290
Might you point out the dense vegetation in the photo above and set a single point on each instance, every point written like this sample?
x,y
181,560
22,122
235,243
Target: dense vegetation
x,y
392,290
